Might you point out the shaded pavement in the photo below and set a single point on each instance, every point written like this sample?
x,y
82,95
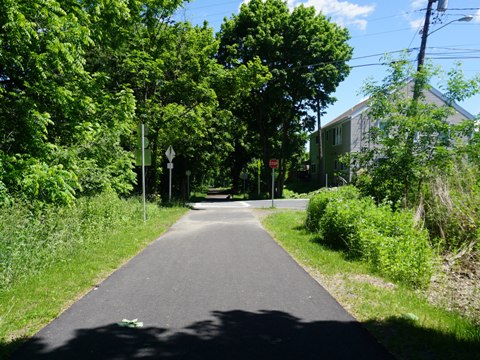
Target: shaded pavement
x,y
216,286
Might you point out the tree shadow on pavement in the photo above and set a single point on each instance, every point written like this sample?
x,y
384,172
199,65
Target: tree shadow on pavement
x,y
227,335
409,340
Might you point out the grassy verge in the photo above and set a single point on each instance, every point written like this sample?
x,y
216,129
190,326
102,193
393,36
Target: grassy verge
x,y
33,301
399,317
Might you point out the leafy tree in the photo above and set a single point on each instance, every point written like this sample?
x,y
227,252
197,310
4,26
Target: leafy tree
x,y
60,128
41,74
414,140
171,69
306,56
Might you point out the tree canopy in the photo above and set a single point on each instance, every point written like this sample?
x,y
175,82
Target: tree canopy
x,y
306,56
77,77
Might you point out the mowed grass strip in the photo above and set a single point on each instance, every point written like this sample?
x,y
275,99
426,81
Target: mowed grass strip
x,y
33,302
400,318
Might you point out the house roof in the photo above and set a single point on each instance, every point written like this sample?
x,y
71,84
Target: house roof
x,y
457,107
360,107
363,105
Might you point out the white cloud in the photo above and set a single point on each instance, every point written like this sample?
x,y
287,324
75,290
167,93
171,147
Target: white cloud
x,y
411,16
416,24
418,4
477,17
342,12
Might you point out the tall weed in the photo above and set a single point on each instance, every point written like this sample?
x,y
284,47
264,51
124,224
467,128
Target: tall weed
x,y
451,209
31,241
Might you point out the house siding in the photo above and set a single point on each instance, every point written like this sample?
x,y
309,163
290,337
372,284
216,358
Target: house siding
x,y
355,124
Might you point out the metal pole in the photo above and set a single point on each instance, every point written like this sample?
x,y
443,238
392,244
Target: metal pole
x,y
326,181
273,187
170,183
258,175
143,175
320,150
188,187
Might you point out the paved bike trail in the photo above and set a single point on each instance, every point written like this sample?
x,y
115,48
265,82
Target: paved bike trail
x,y
216,286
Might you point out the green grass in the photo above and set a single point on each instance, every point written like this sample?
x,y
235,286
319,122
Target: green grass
x,y
197,197
32,301
399,317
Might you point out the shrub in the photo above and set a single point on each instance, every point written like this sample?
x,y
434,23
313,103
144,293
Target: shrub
x,y
341,220
394,245
318,203
389,240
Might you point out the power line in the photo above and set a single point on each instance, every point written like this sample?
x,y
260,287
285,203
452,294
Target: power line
x,y
219,16
454,57
393,16
435,57
380,33
211,5
464,9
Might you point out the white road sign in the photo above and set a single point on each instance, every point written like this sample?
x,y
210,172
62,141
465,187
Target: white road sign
x,y
170,153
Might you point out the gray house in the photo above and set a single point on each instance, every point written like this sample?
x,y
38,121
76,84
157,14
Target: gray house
x,y
346,133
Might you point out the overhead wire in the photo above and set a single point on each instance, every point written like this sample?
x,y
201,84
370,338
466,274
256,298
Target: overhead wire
x,y
216,4
459,54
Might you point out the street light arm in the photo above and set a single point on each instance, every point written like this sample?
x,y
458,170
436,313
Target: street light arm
x,y
465,18
423,45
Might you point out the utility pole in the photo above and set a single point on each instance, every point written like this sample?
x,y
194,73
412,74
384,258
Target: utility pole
x,y
423,46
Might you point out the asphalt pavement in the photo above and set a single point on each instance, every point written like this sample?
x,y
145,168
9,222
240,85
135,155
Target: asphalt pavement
x,y
216,286
222,202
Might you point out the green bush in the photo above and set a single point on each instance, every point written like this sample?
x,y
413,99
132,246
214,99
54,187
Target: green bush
x,y
318,203
389,240
392,243
341,221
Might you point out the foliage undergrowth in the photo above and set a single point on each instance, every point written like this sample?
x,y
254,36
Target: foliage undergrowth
x,y
56,257
450,207
388,240
34,240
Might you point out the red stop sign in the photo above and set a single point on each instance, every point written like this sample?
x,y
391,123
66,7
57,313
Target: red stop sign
x,y
273,163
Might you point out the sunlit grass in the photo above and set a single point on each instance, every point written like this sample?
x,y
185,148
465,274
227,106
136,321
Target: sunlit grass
x,y
32,301
401,318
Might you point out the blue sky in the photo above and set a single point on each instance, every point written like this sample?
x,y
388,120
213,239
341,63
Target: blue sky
x,y
379,27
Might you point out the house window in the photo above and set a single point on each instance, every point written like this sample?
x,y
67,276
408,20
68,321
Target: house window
x,y
380,124
416,137
337,135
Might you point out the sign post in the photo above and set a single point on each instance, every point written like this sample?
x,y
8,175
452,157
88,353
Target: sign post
x,y
143,175
188,173
244,176
259,173
273,163
170,155
143,158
